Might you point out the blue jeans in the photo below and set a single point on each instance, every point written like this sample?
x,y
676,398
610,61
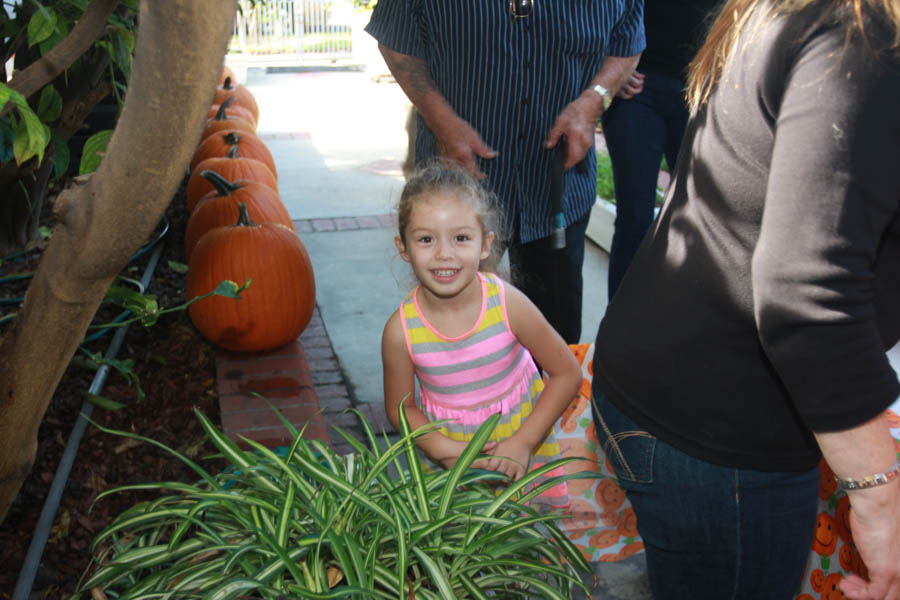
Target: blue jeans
x,y
638,132
710,532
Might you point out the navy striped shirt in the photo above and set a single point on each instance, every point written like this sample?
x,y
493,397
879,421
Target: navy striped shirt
x,y
510,80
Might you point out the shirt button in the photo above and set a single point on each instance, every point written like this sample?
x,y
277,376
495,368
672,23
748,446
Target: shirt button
x,y
525,101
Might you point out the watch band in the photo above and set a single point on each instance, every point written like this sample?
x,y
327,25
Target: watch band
x,y
604,94
871,480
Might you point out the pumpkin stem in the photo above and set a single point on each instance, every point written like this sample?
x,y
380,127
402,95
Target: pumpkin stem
x,y
233,152
220,114
222,185
226,85
244,219
232,138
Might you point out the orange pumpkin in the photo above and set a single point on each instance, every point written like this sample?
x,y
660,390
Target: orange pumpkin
x,y
220,207
226,73
233,111
279,303
220,143
242,96
232,167
222,120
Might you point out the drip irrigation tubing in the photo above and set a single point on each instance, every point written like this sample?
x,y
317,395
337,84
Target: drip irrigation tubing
x,y
32,561
17,301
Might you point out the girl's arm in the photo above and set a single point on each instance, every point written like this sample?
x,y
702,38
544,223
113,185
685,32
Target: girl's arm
x,y
555,357
399,383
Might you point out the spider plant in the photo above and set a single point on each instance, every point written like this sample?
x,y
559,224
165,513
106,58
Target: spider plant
x,y
308,523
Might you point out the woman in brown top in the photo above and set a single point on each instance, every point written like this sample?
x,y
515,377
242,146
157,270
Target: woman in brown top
x,y
748,337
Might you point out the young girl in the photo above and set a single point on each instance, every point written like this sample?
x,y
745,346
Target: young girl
x,y
469,337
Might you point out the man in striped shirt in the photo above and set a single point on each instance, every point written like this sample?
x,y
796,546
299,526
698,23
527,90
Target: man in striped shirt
x,y
497,83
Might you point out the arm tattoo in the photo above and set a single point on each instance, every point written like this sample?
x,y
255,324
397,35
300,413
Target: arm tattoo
x,y
417,71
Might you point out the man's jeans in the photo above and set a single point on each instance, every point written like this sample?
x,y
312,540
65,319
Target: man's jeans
x,y
710,532
638,131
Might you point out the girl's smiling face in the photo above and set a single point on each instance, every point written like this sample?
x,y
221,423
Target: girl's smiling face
x,y
445,243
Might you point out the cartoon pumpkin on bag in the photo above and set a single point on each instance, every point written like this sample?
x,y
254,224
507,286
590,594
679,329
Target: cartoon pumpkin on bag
x,y
575,447
631,549
826,537
609,498
568,422
893,419
828,586
842,520
604,538
827,483
583,518
627,526
852,562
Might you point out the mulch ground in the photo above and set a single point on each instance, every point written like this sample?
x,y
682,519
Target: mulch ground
x,y
176,369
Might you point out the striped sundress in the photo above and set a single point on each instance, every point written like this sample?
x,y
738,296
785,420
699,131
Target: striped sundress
x,y
467,379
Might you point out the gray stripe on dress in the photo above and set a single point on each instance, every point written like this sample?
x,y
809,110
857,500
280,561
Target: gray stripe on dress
x,y
470,364
448,346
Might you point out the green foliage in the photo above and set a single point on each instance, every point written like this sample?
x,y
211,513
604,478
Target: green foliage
x,y
308,523
93,151
29,128
605,187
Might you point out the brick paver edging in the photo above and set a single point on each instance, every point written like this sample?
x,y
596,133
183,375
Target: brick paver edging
x,y
302,379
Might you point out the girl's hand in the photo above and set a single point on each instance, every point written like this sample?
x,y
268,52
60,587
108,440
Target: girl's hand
x,y
451,450
512,458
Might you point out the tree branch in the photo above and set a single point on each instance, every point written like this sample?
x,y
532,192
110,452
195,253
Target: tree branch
x,y
87,30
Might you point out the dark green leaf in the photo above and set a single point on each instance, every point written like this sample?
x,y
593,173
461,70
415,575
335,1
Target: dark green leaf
x,y
93,151
121,54
58,35
32,137
49,105
103,401
7,135
61,156
41,25
230,289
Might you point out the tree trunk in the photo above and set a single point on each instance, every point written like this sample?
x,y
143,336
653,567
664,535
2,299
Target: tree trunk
x,y
104,219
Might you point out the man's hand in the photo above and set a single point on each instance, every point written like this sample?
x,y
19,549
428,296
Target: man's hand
x,y
632,87
458,141
576,122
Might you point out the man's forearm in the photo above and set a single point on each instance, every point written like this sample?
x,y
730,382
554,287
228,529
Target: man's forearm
x,y
411,73
612,75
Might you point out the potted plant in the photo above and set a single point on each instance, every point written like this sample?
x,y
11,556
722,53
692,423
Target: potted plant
x,y
308,523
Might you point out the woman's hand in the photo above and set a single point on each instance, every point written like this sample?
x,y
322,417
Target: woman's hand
x,y
875,523
632,87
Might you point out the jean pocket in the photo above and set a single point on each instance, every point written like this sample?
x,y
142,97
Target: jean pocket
x,y
628,447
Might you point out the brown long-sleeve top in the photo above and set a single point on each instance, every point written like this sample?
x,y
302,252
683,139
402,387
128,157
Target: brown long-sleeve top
x,y
760,306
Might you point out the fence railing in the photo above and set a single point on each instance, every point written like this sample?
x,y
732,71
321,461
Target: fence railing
x,y
294,30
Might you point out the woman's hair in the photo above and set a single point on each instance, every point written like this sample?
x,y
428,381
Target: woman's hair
x,y
708,65
440,175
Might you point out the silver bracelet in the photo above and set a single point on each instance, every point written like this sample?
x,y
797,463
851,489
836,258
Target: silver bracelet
x,y
871,480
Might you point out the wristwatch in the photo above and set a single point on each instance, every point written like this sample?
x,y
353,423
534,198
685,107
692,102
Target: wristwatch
x,y
605,94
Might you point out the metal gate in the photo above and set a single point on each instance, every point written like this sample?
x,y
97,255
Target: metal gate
x,y
293,31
